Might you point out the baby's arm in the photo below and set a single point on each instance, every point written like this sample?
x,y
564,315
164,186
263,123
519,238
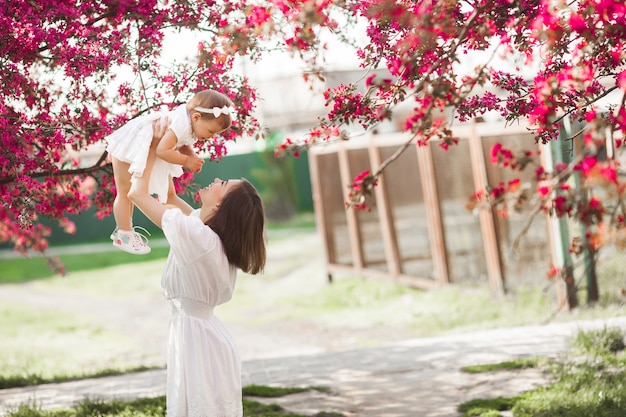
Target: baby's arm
x,y
166,150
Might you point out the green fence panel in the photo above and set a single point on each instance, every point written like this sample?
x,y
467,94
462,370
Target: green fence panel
x,y
89,228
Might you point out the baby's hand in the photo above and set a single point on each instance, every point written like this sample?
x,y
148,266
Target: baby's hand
x,y
193,163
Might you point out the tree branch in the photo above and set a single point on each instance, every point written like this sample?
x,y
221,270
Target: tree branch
x,y
98,166
420,85
587,103
395,156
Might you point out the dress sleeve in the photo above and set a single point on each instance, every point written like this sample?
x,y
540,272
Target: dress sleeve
x,y
188,237
181,126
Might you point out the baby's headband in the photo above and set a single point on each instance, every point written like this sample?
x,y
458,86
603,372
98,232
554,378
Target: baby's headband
x,y
215,111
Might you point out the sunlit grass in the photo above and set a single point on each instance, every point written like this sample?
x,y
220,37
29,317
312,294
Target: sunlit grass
x,y
48,343
155,407
587,382
28,379
22,269
507,365
55,340
126,280
43,341
353,301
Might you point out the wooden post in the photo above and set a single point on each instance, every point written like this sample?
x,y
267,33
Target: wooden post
x,y
354,230
433,214
390,241
324,225
486,216
554,236
567,296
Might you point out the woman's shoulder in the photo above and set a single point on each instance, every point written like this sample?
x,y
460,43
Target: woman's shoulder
x,y
190,226
190,240
176,215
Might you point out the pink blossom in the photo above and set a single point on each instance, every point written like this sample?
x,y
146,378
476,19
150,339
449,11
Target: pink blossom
x,y
419,43
587,164
577,23
609,172
258,16
543,190
621,80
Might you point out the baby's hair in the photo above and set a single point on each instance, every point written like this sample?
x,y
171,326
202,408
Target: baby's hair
x,y
209,99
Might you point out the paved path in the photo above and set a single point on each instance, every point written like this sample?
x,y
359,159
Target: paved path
x,y
413,378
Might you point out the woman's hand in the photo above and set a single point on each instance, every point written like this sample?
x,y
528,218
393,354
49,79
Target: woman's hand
x,y
159,127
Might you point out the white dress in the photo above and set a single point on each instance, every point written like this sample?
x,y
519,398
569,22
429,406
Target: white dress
x,y
203,364
131,143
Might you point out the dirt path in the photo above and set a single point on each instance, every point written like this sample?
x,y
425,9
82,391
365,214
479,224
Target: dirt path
x,y
143,319
429,380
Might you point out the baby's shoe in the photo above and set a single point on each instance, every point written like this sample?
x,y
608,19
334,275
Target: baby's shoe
x,y
131,242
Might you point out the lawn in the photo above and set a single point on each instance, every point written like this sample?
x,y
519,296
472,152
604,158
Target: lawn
x,y
155,407
19,269
108,314
45,336
586,382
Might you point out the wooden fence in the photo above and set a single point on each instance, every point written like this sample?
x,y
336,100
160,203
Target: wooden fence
x,y
419,231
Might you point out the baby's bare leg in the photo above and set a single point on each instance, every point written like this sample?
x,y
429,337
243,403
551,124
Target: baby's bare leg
x,y
122,206
141,184
126,238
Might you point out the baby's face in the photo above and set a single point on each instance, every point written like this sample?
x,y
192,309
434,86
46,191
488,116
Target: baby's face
x,y
205,128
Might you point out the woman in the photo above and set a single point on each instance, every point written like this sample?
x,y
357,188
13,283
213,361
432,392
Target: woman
x,y
208,245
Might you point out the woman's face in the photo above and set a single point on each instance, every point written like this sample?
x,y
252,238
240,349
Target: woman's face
x,y
213,194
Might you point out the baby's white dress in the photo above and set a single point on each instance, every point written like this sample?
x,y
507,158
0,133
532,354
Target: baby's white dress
x,y
203,364
131,143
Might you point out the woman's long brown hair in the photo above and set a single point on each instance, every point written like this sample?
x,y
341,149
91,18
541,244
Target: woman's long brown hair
x,y
240,224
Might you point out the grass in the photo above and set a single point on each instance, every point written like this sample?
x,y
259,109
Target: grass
x,y
265,391
507,365
489,407
22,269
25,380
155,407
304,220
47,338
352,300
43,337
588,382
602,343
44,341
18,270
40,343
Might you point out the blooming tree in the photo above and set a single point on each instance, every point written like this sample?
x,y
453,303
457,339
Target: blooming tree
x,y
565,59
61,59
74,70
